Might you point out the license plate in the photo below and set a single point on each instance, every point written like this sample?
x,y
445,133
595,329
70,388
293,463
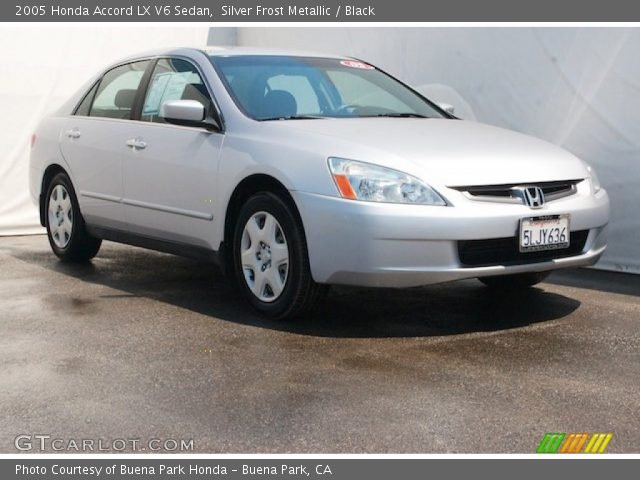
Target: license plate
x,y
544,233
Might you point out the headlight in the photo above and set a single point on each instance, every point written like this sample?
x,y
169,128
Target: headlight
x,y
593,178
373,183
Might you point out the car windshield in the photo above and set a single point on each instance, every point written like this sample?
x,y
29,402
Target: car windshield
x,y
281,87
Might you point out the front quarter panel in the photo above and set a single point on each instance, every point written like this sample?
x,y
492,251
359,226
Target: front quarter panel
x,y
297,165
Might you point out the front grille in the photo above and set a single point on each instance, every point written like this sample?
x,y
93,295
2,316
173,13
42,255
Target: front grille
x,y
506,251
552,190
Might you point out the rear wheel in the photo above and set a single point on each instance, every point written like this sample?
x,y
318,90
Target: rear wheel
x,y
515,282
66,230
270,258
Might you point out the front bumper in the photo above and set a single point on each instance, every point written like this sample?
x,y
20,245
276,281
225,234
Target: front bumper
x,y
393,245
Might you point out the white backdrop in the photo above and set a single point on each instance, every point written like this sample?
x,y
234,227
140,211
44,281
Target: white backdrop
x,y
41,68
575,87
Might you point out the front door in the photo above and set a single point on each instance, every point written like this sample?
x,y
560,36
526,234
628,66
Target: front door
x,y
169,171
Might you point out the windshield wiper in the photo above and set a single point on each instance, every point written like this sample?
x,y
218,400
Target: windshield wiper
x,y
292,117
401,115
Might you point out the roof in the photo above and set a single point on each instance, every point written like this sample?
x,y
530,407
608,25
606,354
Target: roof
x,y
214,51
219,51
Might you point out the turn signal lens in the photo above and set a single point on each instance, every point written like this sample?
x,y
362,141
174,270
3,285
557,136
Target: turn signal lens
x,y
345,187
33,139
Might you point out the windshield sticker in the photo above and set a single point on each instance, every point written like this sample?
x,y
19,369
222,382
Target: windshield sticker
x,y
354,64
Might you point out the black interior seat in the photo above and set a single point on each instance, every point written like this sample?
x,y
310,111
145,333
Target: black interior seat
x,y
279,103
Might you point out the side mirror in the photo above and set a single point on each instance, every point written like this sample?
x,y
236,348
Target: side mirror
x,y
188,113
450,109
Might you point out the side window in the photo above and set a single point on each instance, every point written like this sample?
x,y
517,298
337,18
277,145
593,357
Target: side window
x,y
173,79
117,91
85,105
300,89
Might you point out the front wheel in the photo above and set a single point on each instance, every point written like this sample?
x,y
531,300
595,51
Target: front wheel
x,y
515,282
68,237
270,258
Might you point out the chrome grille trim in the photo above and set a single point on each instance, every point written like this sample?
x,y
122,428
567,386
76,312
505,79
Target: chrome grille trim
x,y
503,193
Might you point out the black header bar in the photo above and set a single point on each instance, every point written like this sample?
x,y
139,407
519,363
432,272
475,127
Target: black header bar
x,y
319,11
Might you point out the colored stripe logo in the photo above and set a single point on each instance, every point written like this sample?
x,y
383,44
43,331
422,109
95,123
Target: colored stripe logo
x,y
574,443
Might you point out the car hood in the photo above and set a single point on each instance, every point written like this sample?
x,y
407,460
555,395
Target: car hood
x,y
449,152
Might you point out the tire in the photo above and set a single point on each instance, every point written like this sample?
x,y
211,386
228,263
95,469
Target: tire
x,y
270,259
66,230
515,282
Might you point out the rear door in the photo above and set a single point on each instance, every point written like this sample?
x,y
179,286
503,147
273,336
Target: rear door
x,y
94,142
169,172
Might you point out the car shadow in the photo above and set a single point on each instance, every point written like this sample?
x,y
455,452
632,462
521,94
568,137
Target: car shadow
x,y
347,312
605,281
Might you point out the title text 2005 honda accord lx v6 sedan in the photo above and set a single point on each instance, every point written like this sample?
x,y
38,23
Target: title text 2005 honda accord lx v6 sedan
x,y
298,171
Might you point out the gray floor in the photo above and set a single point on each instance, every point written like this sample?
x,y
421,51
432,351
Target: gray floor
x,y
142,345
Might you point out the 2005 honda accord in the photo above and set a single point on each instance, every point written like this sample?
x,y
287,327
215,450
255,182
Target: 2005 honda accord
x,y
298,171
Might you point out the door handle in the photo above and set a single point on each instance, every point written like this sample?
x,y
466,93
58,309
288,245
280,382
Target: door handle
x,y
73,133
136,143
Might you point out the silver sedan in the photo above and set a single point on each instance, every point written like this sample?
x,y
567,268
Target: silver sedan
x,y
298,171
